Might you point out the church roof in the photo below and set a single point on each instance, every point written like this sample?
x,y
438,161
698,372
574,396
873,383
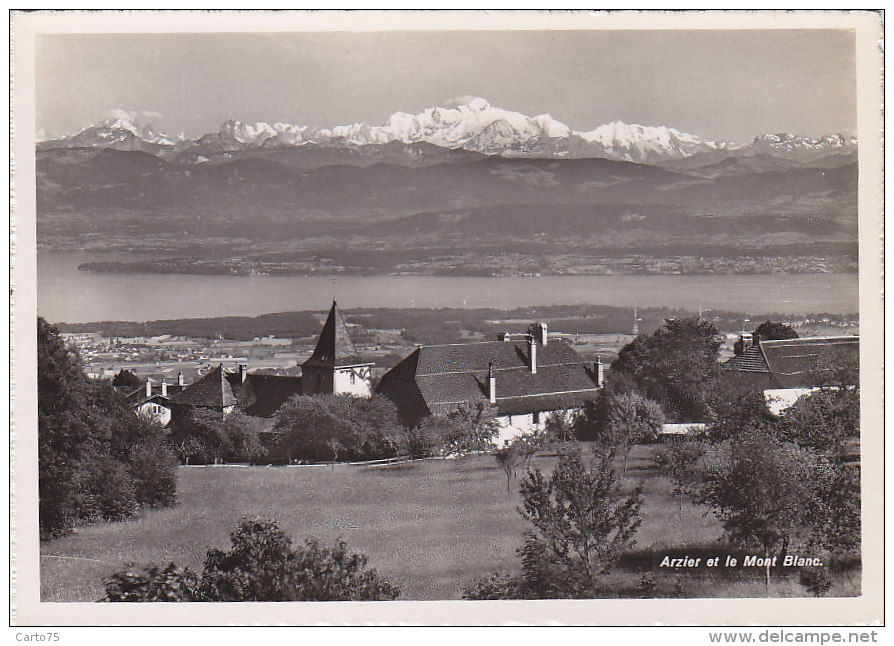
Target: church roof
x,y
435,379
212,390
334,346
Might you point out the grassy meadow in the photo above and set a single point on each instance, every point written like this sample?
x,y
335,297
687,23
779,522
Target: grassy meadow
x,y
431,527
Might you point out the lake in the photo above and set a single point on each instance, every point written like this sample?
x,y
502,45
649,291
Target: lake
x,y
68,295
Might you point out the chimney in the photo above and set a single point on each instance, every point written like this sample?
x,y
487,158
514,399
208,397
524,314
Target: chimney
x,y
180,379
243,372
747,339
148,387
491,384
544,333
599,371
532,347
164,388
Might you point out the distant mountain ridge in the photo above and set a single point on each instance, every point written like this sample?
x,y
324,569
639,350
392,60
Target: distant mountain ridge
x,y
476,126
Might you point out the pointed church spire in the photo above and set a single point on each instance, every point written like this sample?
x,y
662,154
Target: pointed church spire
x,y
334,346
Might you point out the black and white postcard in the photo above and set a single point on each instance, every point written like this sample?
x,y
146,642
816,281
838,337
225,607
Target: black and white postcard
x,y
533,317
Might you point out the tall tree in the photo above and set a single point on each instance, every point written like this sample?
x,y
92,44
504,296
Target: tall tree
x,y
97,460
125,377
674,366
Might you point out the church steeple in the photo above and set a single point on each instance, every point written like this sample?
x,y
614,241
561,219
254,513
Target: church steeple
x,y
335,366
334,346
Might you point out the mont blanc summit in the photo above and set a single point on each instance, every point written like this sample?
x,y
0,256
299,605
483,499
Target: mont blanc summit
x,y
475,125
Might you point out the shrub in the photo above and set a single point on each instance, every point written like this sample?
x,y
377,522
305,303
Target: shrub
x,y
152,469
172,583
261,565
106,490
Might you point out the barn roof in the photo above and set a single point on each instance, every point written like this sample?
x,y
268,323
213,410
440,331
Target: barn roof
x,y
334,346
795,363
435,379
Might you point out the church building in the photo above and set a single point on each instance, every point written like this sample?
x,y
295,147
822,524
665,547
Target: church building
x,y
333,368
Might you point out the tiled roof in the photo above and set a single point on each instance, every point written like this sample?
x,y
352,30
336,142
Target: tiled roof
x,y
435,379
793,363
263,395
212,390
334,346
752,360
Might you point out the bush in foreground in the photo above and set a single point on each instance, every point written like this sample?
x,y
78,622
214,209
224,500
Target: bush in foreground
x,y
261,565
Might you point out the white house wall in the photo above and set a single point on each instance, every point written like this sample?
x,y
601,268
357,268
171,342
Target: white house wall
x,y
513,426
157,412
342,382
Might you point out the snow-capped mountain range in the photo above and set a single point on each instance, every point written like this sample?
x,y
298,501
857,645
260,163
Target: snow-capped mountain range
x,y
475,126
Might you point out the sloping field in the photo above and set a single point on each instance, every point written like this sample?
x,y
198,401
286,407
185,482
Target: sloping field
x,y
431,527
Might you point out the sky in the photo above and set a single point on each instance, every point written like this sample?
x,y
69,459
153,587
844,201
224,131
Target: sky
x,y
719,85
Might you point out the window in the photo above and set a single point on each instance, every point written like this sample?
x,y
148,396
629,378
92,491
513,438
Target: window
x,y
353,378
535,417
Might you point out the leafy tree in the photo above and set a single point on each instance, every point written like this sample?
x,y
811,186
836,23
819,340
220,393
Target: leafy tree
x,y
261,565
319,428
127,379
632,420
835,519
559,426
773,331
674,366
528,444
475,426
581,523
768,331
680,463
201,437
734,403
431,436
760,491
92,449
618,421
468,427
823,420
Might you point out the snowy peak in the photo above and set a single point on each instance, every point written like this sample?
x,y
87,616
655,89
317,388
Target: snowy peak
x,y
647,143
468,123
783,142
